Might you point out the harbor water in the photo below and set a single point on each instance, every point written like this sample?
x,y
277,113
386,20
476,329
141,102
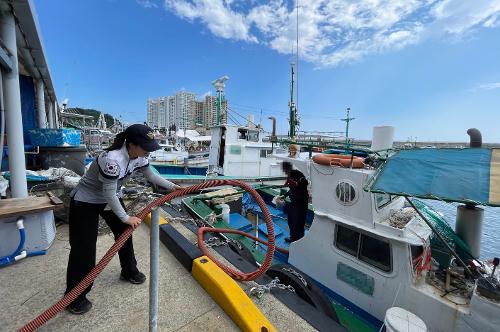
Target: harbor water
x,y
490,247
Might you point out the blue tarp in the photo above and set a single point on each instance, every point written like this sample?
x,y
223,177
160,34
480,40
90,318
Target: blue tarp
x,y
456,175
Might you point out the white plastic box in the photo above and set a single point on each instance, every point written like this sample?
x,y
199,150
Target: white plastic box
x,y
40,232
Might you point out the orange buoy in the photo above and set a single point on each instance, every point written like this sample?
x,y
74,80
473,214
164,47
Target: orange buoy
x,y
339,160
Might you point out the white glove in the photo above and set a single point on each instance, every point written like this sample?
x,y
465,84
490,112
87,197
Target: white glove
x,y
278,201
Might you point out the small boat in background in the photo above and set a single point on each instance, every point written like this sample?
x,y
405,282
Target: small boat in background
x,y
168,153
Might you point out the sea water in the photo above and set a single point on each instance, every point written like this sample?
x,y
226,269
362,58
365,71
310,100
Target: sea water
x,y
490,238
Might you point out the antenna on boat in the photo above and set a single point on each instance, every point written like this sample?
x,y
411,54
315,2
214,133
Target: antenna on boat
x,y
297,63
294,120
293,109
347,120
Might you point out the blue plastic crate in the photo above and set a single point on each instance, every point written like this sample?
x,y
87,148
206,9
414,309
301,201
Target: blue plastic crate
x,y
55,137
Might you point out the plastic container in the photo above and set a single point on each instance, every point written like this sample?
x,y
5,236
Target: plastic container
x,y
72,158
400,320
55,137
40,232
225,212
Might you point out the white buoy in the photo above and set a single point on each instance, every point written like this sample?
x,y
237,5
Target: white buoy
x,y
382,138
468,226
400,320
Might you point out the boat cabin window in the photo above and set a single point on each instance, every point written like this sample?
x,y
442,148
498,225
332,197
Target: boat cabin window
x,y
168,149
347,240
368,249
382,200
249,135
264,153
375,252
242,133
416,251
253,135
345,193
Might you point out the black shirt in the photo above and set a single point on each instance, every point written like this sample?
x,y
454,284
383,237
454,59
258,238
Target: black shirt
x,y
297,183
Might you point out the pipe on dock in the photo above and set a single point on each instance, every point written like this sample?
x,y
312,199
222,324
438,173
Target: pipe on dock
x,y
468,226
50,115
2,118
154,249
12,100
273,134
476,140
40,104
56,114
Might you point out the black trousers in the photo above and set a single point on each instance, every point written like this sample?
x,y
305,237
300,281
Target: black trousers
x,y
83,224
297,212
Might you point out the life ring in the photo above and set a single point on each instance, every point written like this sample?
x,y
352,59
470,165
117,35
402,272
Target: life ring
x,y
339,160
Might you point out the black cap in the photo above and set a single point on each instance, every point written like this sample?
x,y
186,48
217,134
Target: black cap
x,y
143,136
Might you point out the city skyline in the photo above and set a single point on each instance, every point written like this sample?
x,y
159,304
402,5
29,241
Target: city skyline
x,y
429,68
184,110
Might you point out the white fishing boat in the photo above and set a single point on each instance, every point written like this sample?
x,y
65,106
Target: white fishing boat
x,y
370,248
238,151
168,153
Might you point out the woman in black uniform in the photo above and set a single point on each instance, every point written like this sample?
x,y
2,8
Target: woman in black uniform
x,y
98,189
299,200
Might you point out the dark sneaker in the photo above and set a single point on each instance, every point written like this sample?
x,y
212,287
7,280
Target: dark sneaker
x,y
79,307
136,278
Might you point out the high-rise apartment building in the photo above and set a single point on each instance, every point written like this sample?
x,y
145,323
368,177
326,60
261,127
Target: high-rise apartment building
x,y
210,111
184,111
171,110
152,119
158,113
199,120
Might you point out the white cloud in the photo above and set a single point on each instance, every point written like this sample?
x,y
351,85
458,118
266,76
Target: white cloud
x,y
332,32
217,15
456,16
489,86
147,3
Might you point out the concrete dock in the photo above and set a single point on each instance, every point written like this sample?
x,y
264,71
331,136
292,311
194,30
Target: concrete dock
x,y
32,285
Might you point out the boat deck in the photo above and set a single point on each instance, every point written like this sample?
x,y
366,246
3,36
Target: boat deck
x,y
32,285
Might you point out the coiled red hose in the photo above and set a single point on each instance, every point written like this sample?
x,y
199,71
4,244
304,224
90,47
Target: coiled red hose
x,y
89,278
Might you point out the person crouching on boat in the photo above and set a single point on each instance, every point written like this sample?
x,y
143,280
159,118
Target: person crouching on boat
x,y
100,188
299,199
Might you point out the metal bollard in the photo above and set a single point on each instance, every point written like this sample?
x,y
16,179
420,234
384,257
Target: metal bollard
x,y
154,248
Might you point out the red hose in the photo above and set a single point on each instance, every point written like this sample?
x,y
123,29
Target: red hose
x,y
237,232
75,292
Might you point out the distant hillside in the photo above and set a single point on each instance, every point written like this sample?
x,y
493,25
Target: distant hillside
x,y
94,113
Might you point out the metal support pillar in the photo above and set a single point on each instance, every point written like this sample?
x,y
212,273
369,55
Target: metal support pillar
x,y
50,116
154,253
40,104
13,117
56,114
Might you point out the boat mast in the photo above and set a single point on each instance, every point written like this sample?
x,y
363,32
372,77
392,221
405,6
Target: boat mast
x,y
347,120
293,109
294,122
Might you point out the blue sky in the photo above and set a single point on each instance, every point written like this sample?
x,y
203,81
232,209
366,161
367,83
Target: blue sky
x,y
428,67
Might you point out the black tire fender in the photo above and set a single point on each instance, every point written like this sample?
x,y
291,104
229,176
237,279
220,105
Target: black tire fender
x,y
311,293
243,251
